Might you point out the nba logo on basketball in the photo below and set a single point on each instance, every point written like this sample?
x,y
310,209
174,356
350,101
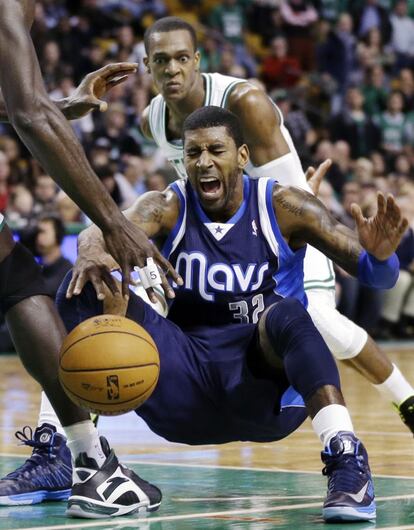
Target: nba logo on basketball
x,y
112,385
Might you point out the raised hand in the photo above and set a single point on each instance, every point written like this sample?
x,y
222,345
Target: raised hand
x,y
381,234
314,176
93,87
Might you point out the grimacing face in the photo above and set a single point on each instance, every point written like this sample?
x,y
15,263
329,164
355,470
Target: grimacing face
x,y
214,167
173,63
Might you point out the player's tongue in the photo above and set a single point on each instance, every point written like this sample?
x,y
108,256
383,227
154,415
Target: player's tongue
x,y
210,186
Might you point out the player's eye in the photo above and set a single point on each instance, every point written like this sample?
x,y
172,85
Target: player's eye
x,y
184,58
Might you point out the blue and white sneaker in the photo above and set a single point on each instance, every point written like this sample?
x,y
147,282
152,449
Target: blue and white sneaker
x,y
350,488
45,476
110,490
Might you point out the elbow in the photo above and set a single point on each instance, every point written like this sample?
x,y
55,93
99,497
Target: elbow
x,y
31,116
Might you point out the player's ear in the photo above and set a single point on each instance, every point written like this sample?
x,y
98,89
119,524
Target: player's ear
x,y
242,156
197,58
146,62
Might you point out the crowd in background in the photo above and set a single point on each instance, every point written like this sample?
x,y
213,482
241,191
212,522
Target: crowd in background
x,y
342,72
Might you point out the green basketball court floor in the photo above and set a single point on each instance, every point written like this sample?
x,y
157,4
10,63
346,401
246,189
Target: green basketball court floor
x,y
202,497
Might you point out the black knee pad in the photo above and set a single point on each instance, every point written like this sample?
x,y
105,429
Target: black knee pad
x,y
20,278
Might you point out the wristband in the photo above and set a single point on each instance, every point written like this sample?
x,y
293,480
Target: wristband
x,y
379,274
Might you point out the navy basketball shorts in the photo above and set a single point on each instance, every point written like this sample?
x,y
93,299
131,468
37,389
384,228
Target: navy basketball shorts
x,y
206,393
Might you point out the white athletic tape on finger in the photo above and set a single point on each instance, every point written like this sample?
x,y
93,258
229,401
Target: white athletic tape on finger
x,y
152,273
144,277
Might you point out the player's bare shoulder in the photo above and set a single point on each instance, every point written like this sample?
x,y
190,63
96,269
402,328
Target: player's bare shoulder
x,y
249,97
159,210
145,124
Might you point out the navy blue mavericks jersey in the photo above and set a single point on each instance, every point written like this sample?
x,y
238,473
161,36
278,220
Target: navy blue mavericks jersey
x,y
232,271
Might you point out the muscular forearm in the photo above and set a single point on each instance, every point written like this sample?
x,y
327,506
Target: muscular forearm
x,y
61,104
51,140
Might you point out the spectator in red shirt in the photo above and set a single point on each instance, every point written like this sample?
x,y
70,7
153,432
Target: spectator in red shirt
x,y
279,70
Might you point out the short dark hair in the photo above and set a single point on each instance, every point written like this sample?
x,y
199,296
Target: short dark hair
x,y
58,225
163,25
211,116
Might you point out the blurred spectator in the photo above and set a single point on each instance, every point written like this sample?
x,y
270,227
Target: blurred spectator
x,y
392,124
406,87
114,129
337,54
52,67
299,17
159,179
372,15
134,172
45,192
279,70
229,19
228,63
296,121
354,126
210,54
402,39
360,304
335,177
68,210
47,246
373,48
19,211
397,314
375,90
117,185
18,165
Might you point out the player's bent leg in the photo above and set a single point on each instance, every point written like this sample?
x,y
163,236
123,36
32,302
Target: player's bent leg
x,y
287,333
351,344
37,333
111,489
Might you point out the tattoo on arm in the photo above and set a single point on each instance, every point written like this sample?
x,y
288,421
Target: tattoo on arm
x,y
304,219
294,209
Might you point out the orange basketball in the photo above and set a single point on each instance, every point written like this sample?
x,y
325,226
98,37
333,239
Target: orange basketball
x,y
109,365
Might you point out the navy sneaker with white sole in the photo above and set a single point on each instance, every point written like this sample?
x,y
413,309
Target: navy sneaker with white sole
x,y
350,488
45,476
110,490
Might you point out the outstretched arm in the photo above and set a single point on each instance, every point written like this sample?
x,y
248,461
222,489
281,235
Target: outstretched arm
x,y
304,219
88,95
50,139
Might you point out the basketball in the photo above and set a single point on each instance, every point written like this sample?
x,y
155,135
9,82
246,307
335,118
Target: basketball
x,y
109,365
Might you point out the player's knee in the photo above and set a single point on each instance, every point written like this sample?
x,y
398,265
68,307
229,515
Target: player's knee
x,y
344,338
283,319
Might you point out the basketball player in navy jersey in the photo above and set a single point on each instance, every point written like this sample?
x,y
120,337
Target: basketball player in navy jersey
x,y
30,314
238,342
174,63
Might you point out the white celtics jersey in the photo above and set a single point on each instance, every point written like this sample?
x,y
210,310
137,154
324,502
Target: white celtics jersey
x,y
318,269
218,87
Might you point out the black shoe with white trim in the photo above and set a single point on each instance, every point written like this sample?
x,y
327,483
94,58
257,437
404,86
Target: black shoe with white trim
x,y
109,491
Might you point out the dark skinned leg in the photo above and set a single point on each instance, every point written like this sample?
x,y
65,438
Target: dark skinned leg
x,y
37,333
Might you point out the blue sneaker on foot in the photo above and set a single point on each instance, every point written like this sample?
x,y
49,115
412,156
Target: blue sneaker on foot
x,y
350,489
45,476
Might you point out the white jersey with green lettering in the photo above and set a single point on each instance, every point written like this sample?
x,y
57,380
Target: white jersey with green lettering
x,y
317,268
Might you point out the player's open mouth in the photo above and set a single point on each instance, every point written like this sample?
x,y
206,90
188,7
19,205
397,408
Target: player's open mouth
x,y
210,186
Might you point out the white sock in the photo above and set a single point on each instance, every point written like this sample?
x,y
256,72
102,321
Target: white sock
x,y
396,387
330,420
48,415
83,437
